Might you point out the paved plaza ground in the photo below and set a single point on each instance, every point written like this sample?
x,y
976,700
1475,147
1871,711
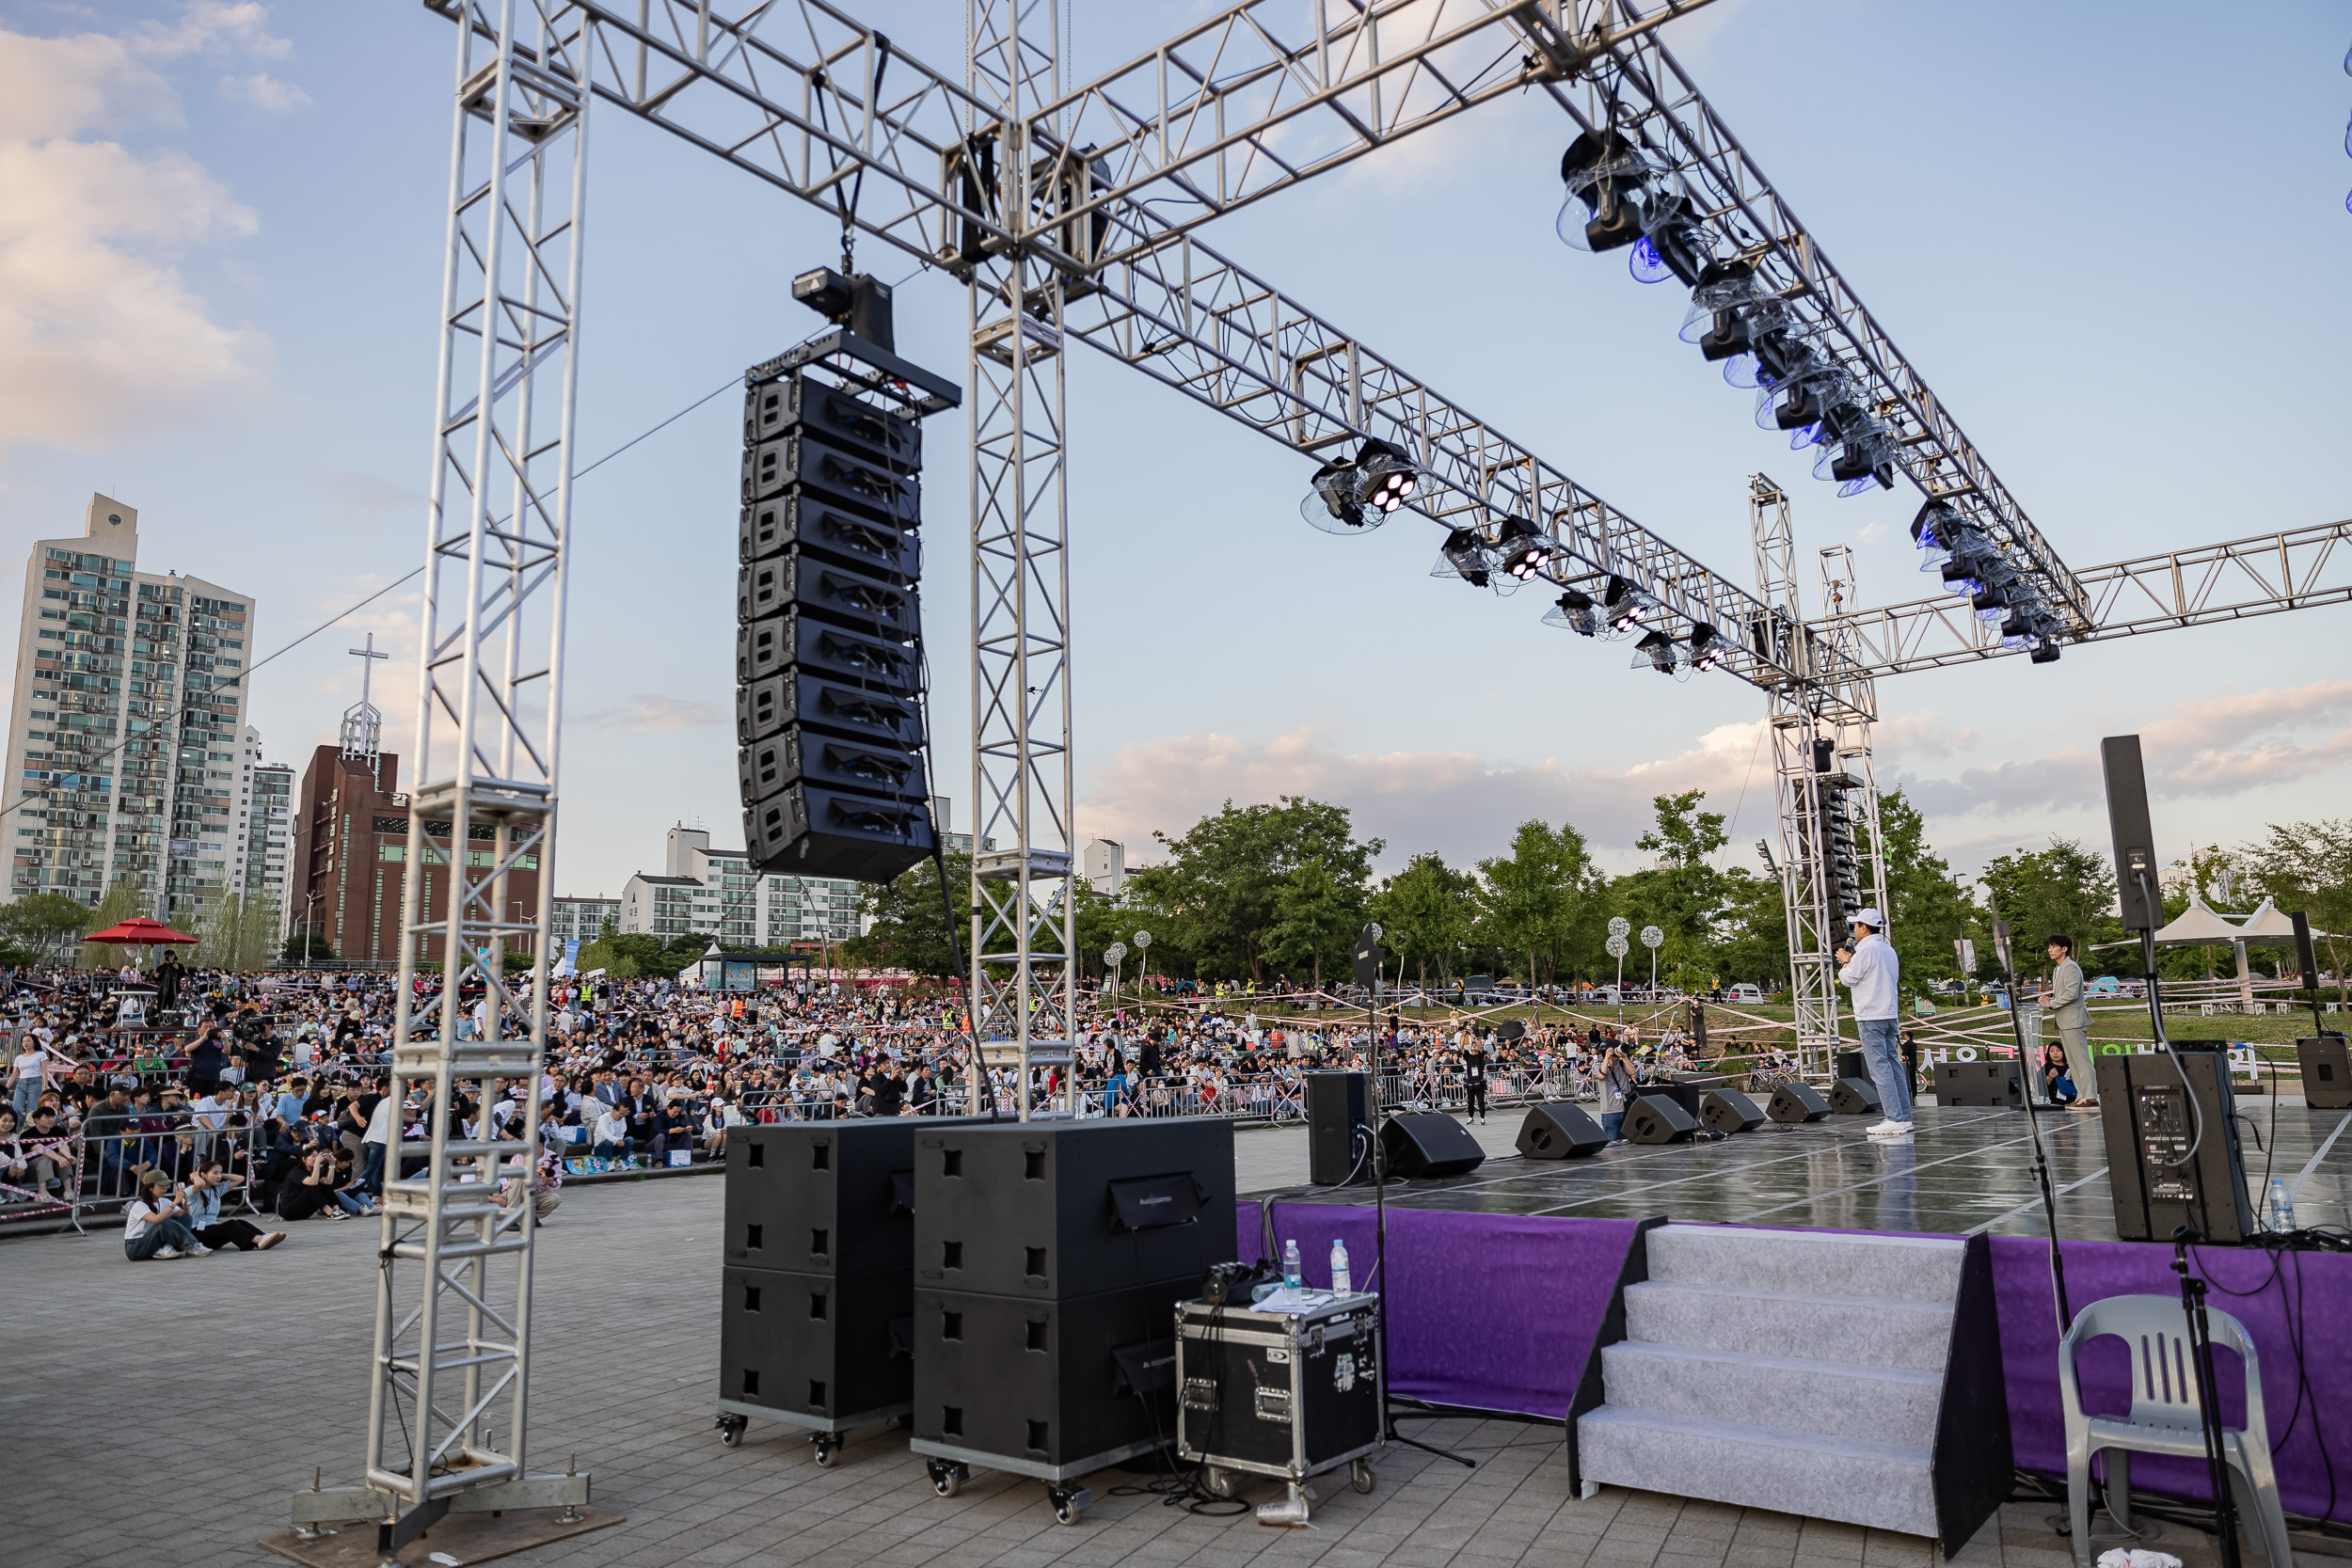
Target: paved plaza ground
x,y
159,1414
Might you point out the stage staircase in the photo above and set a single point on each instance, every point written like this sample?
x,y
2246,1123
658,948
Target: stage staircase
x,y
1808,1372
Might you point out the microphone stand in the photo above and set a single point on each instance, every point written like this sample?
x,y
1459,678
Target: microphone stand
x,y
2033,1121
2209,1414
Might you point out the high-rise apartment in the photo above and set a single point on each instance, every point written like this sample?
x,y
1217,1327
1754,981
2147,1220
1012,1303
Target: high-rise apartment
x,y
265,846
124,732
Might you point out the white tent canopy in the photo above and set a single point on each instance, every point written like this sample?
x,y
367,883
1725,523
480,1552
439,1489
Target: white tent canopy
x,y
2269,926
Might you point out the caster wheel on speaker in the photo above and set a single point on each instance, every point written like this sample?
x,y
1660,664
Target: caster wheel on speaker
x,y
828,1449
1216,1482
947,1479
731,1430
1359,1475
1067,1506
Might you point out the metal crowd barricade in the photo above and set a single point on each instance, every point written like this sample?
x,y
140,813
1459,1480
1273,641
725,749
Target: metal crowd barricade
x,y
28,1166
110,1168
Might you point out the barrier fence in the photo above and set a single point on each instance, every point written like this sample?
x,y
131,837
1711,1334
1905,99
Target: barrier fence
x,y
76,1175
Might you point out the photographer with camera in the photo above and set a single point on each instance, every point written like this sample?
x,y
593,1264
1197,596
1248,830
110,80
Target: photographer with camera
x,y
156,1223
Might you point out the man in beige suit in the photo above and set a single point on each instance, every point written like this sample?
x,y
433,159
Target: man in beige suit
x,y
2067,1009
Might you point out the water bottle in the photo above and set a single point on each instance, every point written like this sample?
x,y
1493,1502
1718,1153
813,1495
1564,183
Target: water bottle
x,y
1290,1264
1340,1283
2280,1217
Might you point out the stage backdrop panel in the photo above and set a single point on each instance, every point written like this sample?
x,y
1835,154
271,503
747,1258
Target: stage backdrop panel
x,y
1487,1311
2286,1301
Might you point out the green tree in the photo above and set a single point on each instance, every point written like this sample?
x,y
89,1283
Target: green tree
x,y
1424,912
1682,894
2063,890
910,920
1318,918
298,940
1221,886
2308,866
1927,912
44,925
1532,899
1752,941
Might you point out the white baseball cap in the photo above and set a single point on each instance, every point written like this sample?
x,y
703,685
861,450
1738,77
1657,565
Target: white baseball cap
x,y
1871,918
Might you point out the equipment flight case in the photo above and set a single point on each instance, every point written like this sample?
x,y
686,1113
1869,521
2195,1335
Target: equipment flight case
x,y
1282,1394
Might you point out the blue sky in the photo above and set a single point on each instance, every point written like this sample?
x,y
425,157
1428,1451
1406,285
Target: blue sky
x,y
2114,245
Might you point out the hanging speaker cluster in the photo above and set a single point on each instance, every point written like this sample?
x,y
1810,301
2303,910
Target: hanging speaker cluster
x,y
829,655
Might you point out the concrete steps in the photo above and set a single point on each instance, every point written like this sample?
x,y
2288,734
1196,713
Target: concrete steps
x,y
1800,1371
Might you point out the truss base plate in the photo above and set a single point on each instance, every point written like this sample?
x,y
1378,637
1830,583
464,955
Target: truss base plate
x,y
462,1538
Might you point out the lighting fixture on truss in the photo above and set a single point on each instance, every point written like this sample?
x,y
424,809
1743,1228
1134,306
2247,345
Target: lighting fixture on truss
x,y
1521,549
1658,651
1465,555
1575,611
1357,496
1931,530
1706,647
1625,606
1617,195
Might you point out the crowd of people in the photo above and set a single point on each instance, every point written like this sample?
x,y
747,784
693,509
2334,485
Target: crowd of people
x,y
217,1109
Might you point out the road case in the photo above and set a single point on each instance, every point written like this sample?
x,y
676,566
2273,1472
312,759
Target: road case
x,y
1287,1394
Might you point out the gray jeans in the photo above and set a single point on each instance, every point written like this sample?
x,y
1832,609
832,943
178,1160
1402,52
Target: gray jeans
x,y
1882,1047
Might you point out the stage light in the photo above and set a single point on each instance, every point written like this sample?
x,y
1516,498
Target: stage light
x,y
1929,531
1800,401
1646,264
1706,647
1463,556
2046,654
1614,195
1656,651
1575,611
1356,497
1520,549
1625,604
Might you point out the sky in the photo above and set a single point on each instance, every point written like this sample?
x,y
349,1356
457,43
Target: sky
x,y
2115,247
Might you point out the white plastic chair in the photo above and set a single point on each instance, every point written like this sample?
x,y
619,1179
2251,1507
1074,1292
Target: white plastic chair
x,y
2165,1417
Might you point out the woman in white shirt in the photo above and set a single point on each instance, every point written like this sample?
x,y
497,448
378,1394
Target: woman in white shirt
x,y
154,1225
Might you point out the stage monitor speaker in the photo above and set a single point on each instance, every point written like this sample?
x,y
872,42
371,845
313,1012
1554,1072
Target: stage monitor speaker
x,y
2326,1072
1853,1063
1994,1086
2134,839
1428,1143
1560,1132
1056,1209
1337,1105
1795,1102
1853,1096
2149,1123
1655,1118
1729,1111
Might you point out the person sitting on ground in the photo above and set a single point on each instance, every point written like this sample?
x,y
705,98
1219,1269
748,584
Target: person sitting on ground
x,y
203,1193
309,1190
611,1134
2058,1082
154,1224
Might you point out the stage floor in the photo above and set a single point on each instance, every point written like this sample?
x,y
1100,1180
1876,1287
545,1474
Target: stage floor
x,y
1964,1171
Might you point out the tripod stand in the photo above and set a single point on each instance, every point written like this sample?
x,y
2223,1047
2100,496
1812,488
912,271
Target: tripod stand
x,y
2033,1121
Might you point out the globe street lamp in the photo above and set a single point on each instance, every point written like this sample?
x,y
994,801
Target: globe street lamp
x,y
1112,954
1617,947
1651,937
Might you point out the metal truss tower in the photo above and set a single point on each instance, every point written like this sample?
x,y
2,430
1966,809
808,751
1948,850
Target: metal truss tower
x,y
448,1408
1024,898
1824,701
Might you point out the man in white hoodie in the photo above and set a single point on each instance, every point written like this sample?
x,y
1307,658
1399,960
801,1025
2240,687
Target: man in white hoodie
x,y
1874,975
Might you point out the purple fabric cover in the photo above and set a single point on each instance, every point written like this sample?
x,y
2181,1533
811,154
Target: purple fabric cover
x,y
2312,1288
1489,1311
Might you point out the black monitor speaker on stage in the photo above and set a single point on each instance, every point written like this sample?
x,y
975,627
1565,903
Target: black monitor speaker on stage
x,y
1560,1132
1796,1102
2135,840
1338,1103
1853,1063
1429,1143
1853,1096
2326,1072
1729,1111
2150,1123
1655,1118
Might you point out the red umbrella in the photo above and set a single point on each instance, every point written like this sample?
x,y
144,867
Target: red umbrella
x,y
139,931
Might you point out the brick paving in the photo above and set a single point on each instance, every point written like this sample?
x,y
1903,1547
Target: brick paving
x,y
158,1415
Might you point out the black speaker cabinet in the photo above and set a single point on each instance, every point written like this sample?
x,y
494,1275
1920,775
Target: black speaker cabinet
x,y
1689,1094
1655,1118
1046,1388
816,1349
1337,1105
1997,1084
2144,1111
1429,1143
1853,1063
1853,1096
1560,1132
1729,1111
1795,1103
2326,1072
1062,1210
822,1196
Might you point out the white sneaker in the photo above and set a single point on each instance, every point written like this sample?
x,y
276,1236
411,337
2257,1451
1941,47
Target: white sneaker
x,y
199,1250
165,1252
1891,1132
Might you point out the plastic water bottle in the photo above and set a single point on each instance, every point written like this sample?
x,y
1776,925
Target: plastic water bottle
x,y
2280,1218
1341,1284
1290,1264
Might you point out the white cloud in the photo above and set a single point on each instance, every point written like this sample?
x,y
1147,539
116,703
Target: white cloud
x,y
99,334
264,93
653,713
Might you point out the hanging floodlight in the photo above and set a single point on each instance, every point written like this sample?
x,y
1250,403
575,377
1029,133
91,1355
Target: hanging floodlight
x,y
1798,403
1575,611
1625,604
1520,548
1656,651
1616,196
1356,497
2047,653
1932,530
1464,555
1706,647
